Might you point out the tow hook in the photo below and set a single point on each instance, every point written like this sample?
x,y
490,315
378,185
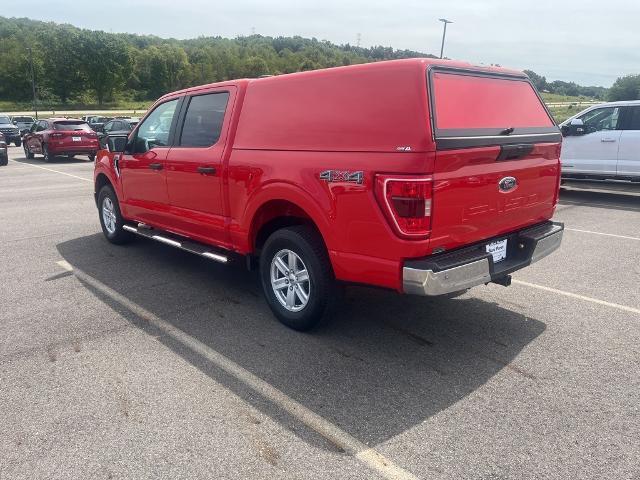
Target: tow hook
x,y
504,281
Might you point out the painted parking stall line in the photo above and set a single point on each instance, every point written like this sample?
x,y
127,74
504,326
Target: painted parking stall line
x,y
625,237
369,457
54,171
597,301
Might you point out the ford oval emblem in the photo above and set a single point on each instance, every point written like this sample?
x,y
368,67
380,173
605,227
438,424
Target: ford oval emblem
x,y
507,184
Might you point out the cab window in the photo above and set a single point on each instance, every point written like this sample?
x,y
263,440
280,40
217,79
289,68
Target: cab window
x,y
601,119
154,130
634,119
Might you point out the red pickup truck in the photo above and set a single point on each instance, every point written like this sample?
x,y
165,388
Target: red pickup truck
x,y
423,176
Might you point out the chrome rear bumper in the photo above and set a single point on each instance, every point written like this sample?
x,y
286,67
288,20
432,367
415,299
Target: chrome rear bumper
x,y
470,266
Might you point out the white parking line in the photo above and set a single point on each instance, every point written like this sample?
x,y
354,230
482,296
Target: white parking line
x,y
54,171
601,205
604,234
624,308
366,455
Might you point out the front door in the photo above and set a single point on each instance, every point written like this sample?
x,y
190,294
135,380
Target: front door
x,y
142,166
195,166
595,151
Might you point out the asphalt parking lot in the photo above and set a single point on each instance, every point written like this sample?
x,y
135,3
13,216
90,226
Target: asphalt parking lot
x,y
145,362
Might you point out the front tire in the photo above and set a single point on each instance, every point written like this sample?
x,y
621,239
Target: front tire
x,y
111,219
297,278
4,160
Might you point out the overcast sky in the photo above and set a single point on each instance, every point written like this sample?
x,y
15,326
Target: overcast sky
x,y
587,41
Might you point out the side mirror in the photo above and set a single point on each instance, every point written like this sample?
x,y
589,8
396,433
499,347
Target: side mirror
x,y
117,144
575,127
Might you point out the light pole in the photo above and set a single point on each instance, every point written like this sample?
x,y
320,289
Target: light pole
x,y
33,82
444,33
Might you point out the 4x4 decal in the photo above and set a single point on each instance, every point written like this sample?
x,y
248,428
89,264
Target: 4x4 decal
x,y
342,176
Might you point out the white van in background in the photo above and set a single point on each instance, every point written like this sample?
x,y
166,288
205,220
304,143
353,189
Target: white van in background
x,y
603,143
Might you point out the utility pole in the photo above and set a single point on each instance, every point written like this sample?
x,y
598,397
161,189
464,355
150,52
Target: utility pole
x,y
444,34
358,39
33,82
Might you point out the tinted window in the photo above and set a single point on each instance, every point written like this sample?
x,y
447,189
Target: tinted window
x,y
71,125
154,130
634,119
601,119
41,126
203,120
467,101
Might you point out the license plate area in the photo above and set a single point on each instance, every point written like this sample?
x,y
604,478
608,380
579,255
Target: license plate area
x,y
498,250
76,139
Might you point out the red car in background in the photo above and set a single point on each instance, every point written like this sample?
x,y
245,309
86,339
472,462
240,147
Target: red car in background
x,y
61,136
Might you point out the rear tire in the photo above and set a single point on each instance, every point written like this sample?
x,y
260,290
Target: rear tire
x,y
27,153
4,160
18,142
289,256
111,219
92,158
46,154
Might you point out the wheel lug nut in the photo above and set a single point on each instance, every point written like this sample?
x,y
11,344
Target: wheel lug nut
x,y
286,281
291,287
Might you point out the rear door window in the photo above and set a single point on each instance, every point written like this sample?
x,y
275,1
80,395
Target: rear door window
x,y
203,120
469,104
633,122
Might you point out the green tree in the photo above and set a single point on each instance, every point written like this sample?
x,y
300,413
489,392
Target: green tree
x,y
625,88
538,81
106,63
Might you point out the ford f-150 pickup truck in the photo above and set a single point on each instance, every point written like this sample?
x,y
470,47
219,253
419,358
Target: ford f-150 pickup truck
x,y
423,176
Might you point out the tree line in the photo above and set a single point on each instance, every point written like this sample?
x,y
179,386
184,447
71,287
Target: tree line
x,y
84,67
624,88
74,65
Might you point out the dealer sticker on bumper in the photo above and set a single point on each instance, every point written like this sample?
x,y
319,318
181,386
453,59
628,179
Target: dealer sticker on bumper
x,y
498,250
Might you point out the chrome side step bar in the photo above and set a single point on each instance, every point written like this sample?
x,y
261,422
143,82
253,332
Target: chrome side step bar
x,y
175,241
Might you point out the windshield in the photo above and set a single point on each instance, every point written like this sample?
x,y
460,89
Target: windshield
x,y
72,126
23,119
5,120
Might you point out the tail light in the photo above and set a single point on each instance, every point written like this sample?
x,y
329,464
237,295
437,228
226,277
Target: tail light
x,y
406,201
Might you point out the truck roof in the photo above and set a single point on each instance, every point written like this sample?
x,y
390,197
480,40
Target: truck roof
x,y
387,65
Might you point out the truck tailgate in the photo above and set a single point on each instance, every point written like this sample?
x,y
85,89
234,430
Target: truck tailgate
x,y
469,203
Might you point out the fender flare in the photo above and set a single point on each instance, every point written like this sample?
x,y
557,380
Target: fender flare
x,y
318,208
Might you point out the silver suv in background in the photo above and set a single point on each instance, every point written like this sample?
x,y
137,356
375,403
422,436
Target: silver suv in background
x,y
10,131
23,123
602,143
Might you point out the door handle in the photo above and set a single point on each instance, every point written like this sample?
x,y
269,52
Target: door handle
x,y
608,140
155,166
206,170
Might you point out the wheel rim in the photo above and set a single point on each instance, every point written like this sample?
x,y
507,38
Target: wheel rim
x,y
108,215
290,280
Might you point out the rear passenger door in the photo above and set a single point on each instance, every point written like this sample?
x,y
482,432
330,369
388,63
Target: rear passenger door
x,y
629,151
195,166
